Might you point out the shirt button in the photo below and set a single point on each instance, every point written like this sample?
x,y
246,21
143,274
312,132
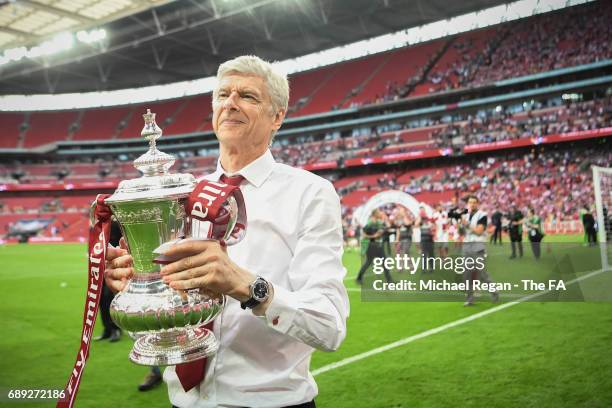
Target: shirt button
x,y
275,321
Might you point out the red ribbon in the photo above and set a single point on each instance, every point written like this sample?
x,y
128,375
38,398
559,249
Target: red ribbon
x,y
98,240
205,204
207,214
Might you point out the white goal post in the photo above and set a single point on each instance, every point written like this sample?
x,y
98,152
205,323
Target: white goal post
x,y
602,184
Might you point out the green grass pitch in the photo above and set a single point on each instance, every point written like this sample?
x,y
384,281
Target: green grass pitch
x,y
533,354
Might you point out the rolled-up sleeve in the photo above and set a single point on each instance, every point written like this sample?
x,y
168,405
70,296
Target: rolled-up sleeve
x,y
315,309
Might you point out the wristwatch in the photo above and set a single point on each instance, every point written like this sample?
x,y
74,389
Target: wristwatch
x,y
259,290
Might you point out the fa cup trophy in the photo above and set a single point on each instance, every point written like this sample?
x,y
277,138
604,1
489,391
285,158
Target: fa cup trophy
x,y
152,211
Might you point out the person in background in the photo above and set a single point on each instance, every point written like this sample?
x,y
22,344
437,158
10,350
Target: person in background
x,y
388,233
111,331
403,225
496,220
534,231
475,227
373,232
588,222
427,227
515,229
442,223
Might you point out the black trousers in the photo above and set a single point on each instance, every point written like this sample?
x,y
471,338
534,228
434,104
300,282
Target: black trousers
x,y
536,248
427,250
497,235
310,404
516,241
375,250
591,235
105,301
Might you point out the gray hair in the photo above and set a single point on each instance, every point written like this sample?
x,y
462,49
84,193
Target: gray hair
x,y
276,81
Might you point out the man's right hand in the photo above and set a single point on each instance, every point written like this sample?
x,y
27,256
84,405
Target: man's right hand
x,y
118,267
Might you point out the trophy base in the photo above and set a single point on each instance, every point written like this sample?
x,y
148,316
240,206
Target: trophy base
x,y
173,347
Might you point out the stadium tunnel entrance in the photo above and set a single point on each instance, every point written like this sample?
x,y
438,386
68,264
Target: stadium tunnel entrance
x,y
362,214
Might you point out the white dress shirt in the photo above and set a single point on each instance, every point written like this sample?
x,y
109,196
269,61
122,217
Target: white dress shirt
x,y
293,240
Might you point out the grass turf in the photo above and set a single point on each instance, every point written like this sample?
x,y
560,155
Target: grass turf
x,y
532,354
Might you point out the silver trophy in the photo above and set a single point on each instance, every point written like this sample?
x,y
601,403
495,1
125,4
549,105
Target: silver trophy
x,y
167,324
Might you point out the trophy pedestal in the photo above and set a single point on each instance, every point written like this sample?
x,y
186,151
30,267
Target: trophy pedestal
x,y
173,347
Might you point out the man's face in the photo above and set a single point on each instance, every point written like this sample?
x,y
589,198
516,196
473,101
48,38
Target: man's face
x,y
472,204
243,113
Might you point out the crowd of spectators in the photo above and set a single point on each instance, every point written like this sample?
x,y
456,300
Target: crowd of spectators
x,y
573,36
557,183
485,126
53,205
570,37
500,125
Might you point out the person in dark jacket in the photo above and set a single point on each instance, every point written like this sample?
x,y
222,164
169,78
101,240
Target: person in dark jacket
x,y
588,222
515,230
111,331
496,221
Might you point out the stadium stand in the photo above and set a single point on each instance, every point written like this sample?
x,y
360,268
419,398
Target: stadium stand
x,y
164,110
11,123
487,126
558,182
569,37
48,127
400,69
304,85
195,114
100,124
344,79
455,67
550,41
556,178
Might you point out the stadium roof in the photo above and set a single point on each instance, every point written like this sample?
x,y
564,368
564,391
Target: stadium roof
x,y
26,22
149,42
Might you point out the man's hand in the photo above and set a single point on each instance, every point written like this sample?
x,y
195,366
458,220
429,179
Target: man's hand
x,y
118,267
205,265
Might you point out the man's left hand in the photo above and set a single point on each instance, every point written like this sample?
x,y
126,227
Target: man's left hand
x,y
206,265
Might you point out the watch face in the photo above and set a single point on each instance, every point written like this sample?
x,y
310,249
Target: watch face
x,y
260,290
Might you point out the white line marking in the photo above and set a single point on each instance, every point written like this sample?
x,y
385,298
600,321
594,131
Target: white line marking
x,y
439,329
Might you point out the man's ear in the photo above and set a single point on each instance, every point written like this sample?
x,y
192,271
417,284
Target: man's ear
x,y
278,119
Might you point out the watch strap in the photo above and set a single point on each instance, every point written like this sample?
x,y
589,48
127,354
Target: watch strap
x,y
251,303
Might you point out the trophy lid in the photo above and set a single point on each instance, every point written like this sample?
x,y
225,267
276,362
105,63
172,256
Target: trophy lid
x,y
156,182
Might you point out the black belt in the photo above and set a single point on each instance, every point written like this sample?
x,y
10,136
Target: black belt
x,y
310,404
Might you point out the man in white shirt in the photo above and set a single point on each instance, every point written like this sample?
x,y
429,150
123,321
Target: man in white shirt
x,y
292,254
442,222
474,246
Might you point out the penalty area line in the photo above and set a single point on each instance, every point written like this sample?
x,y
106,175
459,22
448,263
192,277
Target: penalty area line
x,y
436,330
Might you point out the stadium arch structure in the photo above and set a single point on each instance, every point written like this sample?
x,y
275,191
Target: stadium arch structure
x,y
362,213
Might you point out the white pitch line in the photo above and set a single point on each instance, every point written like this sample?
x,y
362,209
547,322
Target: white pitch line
x,y
439,329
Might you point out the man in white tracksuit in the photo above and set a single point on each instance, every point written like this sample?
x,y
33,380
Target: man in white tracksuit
x,y
475,224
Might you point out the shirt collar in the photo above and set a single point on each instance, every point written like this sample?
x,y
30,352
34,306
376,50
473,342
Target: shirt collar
x,y
255,172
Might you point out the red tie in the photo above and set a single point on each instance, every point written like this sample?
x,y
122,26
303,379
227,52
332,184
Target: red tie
x,y
191,374
231,180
